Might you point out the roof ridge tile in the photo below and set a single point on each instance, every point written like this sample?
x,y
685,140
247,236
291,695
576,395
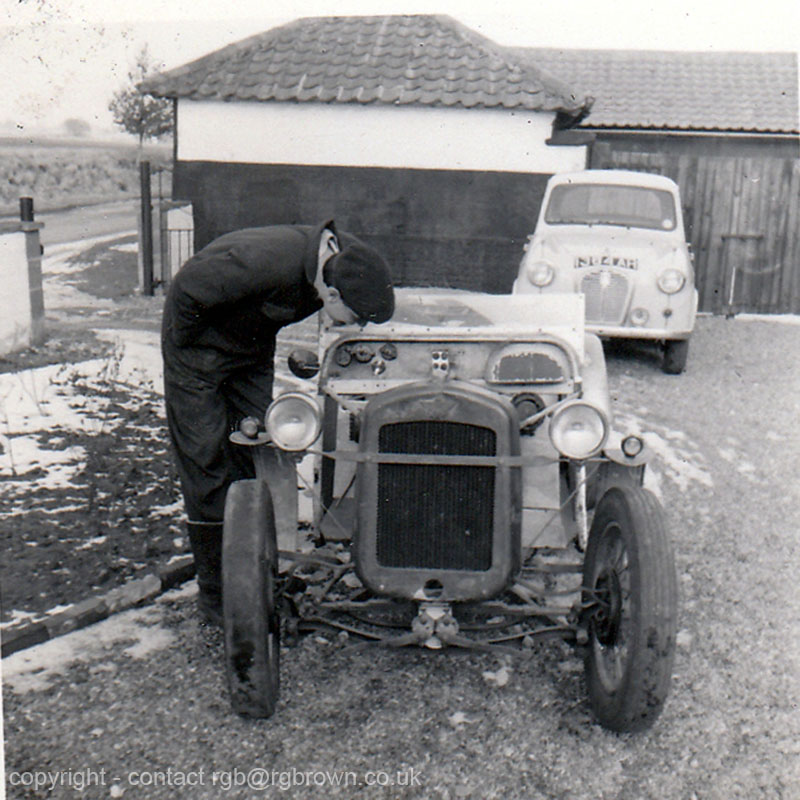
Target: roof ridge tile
x,y
349,53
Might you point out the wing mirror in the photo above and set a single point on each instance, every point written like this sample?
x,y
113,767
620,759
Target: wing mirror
x,y
303,363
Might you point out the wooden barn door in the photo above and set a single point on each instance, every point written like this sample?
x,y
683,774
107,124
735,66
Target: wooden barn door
x,y
756,220
743,220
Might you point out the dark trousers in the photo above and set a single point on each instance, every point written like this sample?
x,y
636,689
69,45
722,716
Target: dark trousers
x,y
207,394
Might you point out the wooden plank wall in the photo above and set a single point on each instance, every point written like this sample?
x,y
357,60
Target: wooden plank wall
x,y
742,217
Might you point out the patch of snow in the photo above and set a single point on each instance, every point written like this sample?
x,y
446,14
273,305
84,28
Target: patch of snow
x,y
56,257
51,397
188,589
29,486
39,399
90,543
33,669
20,617
17,618
784,319
58,293
140,363
166,510
151,641
681,466
129,247
58,609
23,454
675,459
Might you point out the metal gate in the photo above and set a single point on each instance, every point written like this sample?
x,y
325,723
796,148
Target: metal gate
x,y
166,230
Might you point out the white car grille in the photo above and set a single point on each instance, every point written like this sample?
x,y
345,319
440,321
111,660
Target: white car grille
x,y
606,294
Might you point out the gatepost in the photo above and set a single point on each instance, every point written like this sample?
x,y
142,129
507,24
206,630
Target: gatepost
x,y
22,304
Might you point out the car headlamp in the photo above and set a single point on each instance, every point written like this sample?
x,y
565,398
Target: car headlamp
x,y
578,430
540,274
671,281
293,421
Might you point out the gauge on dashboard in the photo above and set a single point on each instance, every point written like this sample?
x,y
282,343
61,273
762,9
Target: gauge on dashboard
x,y
344,356
389,351
362,353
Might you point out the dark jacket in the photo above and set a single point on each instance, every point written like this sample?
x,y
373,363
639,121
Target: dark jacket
x,y
237,292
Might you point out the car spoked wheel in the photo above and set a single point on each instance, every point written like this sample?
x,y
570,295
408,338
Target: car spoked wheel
x,y
250,615
610,623
630,593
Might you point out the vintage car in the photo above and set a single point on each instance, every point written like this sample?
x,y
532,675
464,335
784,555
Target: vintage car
x,y
618,238
462,458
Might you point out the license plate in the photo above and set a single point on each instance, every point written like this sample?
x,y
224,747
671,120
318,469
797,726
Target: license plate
x,y
606,261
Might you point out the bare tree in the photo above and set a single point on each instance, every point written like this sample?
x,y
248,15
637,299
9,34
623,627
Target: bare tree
x,y
139,113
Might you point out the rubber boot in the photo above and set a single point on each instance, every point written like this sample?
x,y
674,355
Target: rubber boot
x,y
206,541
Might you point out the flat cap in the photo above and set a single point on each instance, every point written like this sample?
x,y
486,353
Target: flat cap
x,y
363,279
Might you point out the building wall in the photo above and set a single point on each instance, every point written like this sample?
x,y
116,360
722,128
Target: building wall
x,y
407,137
464,229
448,195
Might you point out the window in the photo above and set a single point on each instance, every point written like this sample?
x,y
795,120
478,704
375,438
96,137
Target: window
x,y
609,204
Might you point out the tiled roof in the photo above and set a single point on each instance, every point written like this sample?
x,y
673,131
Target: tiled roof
x,y
755,92
400,60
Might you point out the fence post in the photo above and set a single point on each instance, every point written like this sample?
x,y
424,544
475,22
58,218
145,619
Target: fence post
x,y
146,240
34,252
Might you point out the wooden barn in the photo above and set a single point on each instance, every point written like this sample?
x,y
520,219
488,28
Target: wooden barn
x,y
415,133
725,127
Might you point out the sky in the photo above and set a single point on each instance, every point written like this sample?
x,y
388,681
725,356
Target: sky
x,y
65,58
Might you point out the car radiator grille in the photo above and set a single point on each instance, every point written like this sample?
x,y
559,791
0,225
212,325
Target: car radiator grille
x,y
605,293
434,516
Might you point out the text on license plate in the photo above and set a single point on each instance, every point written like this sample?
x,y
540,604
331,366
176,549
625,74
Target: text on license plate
x,y
606,261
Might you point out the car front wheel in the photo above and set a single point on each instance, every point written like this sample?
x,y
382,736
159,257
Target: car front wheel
x,y
251,620
630,593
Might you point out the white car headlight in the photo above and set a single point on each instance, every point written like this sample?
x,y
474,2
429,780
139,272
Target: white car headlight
x,y
293,421
540,273
671,281
578,430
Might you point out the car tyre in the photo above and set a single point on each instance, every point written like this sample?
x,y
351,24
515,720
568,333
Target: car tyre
x,y
630,592
250,618
676,351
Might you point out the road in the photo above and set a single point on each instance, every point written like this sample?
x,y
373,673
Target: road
x,y
137,706
87,222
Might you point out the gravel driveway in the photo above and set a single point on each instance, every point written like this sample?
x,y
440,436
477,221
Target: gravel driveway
x,y
145,691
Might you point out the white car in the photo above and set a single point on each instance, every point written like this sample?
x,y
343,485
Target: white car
x,y
617,237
